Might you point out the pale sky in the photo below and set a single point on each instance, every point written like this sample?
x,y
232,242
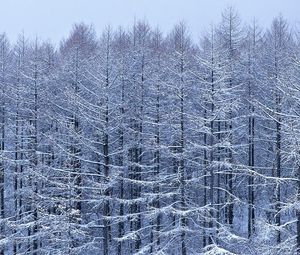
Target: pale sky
x,y
53,19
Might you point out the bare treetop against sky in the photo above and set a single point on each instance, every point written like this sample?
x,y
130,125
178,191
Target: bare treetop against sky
x,y
53,19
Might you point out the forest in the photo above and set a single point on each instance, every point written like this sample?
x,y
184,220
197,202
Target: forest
x,y
136,141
